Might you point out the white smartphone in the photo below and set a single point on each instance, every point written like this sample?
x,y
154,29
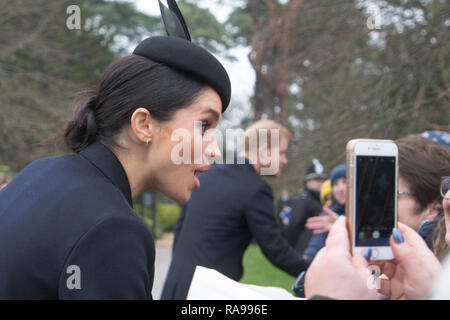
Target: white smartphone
x,y
371,208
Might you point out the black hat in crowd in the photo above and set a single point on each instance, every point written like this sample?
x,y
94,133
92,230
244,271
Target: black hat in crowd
x,y
178,52
315,171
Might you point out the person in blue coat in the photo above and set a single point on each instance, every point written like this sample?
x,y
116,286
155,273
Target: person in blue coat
x,y
67,225
339,194
233,206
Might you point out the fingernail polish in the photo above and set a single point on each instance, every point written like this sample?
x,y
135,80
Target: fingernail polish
x,y
398,237
367,253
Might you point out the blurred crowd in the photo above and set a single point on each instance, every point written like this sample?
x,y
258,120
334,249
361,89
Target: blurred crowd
x,y
235,205
424,160
4,181
423,197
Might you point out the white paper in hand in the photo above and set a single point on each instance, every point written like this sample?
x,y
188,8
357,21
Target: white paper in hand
x,y
209,284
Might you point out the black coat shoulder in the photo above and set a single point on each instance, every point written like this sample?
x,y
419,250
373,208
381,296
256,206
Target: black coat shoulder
x,y
73,210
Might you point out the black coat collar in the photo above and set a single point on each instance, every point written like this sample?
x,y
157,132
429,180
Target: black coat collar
x,y
106,161
244,161
314,194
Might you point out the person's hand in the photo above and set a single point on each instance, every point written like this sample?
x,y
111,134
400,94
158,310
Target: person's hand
x,y
335,273
412,273
322,223
446,207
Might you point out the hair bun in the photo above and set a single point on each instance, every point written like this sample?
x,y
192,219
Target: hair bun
x,y
81,131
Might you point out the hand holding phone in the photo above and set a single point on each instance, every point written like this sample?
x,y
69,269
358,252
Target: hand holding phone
x,y
371,208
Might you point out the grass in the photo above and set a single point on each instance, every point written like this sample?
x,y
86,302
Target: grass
x,y
259,271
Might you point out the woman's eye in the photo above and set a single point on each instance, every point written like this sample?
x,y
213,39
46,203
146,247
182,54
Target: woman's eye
x,y
205,126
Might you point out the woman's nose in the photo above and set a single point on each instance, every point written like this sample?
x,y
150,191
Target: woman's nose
x,y
213,150
216,153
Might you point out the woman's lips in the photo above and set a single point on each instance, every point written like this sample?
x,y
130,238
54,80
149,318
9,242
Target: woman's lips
x,y
201,169
196,181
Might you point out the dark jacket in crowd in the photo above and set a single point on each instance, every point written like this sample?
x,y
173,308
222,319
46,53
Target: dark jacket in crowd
x,y
317,241
68,231
305,205
426,231
232,206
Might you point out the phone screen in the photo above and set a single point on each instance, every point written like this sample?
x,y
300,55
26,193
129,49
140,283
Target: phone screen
x,y
375,200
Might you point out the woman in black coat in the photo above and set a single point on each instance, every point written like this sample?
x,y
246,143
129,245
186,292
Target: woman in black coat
x,y
67,225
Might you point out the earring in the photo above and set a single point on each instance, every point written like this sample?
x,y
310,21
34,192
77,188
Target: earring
x,y
147,141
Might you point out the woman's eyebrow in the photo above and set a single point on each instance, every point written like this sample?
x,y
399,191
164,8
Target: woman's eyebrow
x,y
214,113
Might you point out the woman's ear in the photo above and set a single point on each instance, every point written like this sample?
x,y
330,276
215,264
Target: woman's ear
x,y
433,211
142,125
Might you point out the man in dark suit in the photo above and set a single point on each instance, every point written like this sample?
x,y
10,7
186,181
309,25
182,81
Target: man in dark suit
x,y
232,206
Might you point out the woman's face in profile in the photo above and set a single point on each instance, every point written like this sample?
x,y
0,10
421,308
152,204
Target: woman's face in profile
x,y
183,146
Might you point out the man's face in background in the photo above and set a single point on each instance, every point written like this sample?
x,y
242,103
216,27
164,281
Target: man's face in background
x,y
314,184
339,190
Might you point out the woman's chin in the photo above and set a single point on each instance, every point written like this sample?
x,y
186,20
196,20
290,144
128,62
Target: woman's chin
x,y
182,197
185,199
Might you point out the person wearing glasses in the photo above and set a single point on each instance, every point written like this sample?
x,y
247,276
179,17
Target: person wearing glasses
x,y
414,274
422,163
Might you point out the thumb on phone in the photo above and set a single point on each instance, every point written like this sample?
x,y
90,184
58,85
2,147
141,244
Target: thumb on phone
x,y
407,245
420,265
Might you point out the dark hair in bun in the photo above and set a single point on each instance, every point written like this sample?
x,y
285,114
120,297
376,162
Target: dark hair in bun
x,y
129,83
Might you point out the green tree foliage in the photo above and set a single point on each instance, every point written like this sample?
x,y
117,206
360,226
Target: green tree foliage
x,y
43,63
205,30
346,80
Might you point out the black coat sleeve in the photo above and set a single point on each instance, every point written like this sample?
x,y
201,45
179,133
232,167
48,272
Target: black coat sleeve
x,y
115,260
297,220
265,230
279,207
179,226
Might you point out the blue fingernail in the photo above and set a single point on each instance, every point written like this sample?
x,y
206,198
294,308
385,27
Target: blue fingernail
x,y
367,253
398,237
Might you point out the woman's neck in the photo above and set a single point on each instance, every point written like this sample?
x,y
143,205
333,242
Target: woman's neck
x,y
132,164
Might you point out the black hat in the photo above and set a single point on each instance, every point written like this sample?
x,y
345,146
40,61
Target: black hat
x,y
315,171
178,52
